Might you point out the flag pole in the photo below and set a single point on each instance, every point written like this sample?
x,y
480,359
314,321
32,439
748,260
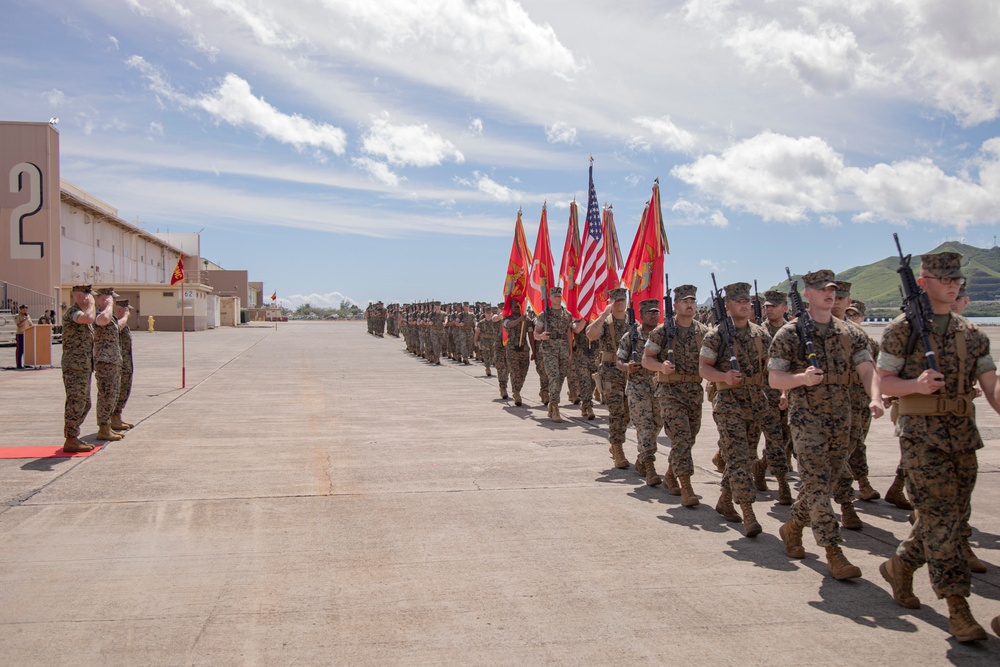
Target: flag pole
x,y
183,358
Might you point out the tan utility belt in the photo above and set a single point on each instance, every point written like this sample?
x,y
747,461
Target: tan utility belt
x,y
960,406
608,357
749,381
838,378
676,377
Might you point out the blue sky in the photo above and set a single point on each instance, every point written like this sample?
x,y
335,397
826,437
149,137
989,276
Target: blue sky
x,y
380,149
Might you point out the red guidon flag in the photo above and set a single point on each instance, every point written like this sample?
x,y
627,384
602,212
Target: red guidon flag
x,y
643,274
274,297
569,268
178,274
541,278
515,285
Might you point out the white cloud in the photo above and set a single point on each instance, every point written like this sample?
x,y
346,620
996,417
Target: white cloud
x,y
666,133
324,300
491,188
401,145
378,170
710,264
560,133
691,213
155,129
114,42
264,25
476,127
56,98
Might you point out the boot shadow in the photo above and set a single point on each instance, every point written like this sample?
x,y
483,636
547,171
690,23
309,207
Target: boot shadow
x,y
861,601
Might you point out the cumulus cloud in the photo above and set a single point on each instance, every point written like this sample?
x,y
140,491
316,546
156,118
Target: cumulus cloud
x,y
233,102
324,300
666,133
560,133
378,170
491,188
691,213
415,145
788,179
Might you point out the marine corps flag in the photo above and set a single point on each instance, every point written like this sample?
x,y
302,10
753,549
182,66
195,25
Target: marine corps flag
x,y
569,268
644,269
542,276
274,297
178,275
515,286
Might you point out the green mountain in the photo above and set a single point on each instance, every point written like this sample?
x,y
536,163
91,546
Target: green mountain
x,y
877,284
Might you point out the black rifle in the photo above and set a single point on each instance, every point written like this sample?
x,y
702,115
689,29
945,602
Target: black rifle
x,y
545,303
633,330
758,316
724,324
916,306
669,323
804,325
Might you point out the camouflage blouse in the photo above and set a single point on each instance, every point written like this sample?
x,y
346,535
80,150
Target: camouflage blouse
x,y
77,342
125,338
107,343
750,344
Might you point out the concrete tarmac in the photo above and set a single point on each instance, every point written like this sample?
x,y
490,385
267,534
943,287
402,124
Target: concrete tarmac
x,y
317,496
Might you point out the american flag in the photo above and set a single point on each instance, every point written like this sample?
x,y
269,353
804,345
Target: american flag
x,y
593,262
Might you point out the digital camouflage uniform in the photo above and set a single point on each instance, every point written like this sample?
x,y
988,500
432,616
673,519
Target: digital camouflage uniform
x,y
777,441
555,351
77,368
517,352
489,332
861,421
463,343
640,391
582,368
680,395
435,335
939,450
107,368
125,385
819,421
613,381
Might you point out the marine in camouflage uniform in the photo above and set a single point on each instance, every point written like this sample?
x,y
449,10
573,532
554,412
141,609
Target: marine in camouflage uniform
x,y
739,404
581,366
553,328
679,390
487,332
122,310
435,332
819,423
641,390
517,350
107,362
77,365
607,330
463,334
777,441
938,439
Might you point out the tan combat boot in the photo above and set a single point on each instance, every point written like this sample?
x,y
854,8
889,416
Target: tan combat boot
x,y
900,578
75,445
503,393
725,506
865,490
618,454
838,566
517,397
975,565
688,497
961,623
849,518
573,398
670,482
759,470
554,412
590,412
105,433
717,461
791,534
544,395
895,495
118,425
784,492
751,527
649,470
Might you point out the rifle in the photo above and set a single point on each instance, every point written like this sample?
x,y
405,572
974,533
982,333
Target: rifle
x,y
804,324
916,306
758,316
724,324
669,323
545,303
633,330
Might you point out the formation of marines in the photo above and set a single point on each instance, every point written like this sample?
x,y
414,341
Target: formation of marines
x,y
809,381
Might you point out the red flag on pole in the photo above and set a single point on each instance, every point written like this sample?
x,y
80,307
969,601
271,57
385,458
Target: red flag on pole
x,y
569,267
274,297
542,274
515,286
178,274
644,269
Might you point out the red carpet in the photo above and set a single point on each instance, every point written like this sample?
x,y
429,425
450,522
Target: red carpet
x,y
42,452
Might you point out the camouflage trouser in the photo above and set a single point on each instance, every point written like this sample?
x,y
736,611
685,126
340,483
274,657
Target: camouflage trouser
x,y
434,337
680,407
645,411
518,362
581,367
470,340
77,384
556,361
861,421
774,425
543,379
109,379
820,442
940,485
613,381
735,428
487,350
124,391
462,347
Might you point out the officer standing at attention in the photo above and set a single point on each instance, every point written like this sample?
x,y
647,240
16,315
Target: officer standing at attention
x,y
938,439
122,310
679,391
817,414
608,329
553,329
77,364
107,362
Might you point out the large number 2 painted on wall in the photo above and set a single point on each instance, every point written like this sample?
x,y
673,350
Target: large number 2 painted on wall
x,y
19,248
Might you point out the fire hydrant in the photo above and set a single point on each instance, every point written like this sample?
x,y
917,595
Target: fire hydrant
x,y
151,323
